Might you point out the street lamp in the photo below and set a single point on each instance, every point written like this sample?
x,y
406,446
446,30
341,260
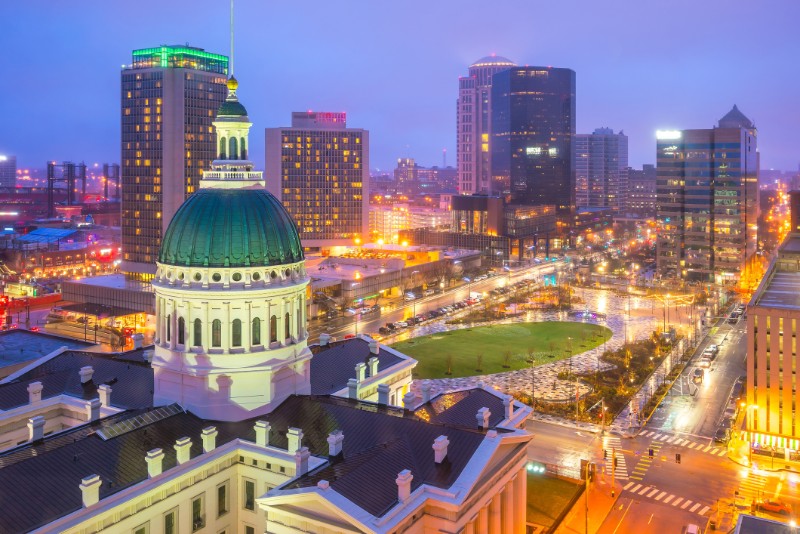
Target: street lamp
x,y
414,302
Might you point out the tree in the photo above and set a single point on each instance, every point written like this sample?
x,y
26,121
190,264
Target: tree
x,y
507,359
449,359
479,359
531,353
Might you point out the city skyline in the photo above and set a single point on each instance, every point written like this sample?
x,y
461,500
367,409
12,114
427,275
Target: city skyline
x,y
628,82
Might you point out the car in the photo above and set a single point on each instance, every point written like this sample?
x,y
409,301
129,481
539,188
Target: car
x,y
705,362
409,297
428,292
727,422
34,329
401,324
776,507
384,331
391,326
713,348
698,376
709,354
722,435
349,336
692,529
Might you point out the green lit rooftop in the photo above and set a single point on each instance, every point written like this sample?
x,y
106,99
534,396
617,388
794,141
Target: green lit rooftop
x,y
179,57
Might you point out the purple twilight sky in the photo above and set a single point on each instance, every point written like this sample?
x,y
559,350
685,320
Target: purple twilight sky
x,y
393,66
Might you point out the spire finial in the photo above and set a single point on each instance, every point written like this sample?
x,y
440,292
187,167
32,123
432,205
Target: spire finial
x,y
231,38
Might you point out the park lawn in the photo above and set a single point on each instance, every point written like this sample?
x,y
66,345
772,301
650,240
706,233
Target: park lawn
x,y
547,498
550,341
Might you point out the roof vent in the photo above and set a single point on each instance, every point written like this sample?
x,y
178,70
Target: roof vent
x,y
86,373
440,449
90,490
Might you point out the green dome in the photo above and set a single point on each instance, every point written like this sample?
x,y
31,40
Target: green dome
x,y
231,228
232,108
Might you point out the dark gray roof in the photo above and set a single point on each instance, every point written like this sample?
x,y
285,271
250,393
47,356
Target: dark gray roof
x,y
334,364
131,381
749,524
735,119
460,408
21,345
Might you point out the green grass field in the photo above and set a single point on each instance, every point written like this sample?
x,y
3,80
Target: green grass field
x,y
547,498
548,341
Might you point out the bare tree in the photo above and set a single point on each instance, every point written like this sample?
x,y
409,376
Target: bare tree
x,y
507,359
479,359
531,353
449,364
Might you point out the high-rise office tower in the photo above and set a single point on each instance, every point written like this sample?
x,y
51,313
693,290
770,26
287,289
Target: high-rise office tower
x,y
473,124
319,169
533,130
170,96
642,191
707,200
601,169
8,171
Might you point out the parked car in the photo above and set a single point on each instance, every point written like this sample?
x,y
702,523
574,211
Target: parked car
x,y
722,435
713,348
428,292
401,324
698,376
776,507
384,331
705,362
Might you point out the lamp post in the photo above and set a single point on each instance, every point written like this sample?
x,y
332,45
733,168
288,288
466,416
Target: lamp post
x,y
414,302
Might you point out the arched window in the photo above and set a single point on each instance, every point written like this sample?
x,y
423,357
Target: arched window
x,y
169,326
286,328
216,333
198,333
242,149
233,150
236,333
256,331
273,329
222,147
181,330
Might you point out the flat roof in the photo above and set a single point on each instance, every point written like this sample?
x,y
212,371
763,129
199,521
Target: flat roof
x,y
18,346
781,291
115,281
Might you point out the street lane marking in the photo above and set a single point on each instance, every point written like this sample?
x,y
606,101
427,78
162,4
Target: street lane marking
x,y
628,485
644,490
684,505
650,495
704,510
691,445
669,498
708,447
661,495
677,501
695,507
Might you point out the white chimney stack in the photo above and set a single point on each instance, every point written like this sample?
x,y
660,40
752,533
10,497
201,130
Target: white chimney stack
x,y
262,433
93,410
335,441
508,402
440,449
209,437
155,460
408,400
352,388
86,373
36,428
323,485
483,418
324,339
374,346
383,394
35,392
373,366
295,439
426,392
361,371
183,448
90,490
301,461
403,481
104,392
138,341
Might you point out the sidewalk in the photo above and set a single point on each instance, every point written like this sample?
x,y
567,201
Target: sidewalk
x,y
600,504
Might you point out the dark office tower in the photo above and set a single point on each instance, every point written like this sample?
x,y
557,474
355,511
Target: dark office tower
x,y
642,191
707,200
601,169
319,169
170,96
533,130
473,124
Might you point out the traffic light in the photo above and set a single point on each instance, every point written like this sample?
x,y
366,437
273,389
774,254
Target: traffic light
x,y
615,462
605,454
677,457
650,451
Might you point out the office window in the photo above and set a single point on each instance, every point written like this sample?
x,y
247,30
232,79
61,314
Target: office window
x,y
249,495
236,328
249,530
222,499
273,329
198,518
216,333
198,332
142,529
286,327
171,522
181,330
256,331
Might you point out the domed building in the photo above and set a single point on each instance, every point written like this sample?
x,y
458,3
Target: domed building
x,y
230,286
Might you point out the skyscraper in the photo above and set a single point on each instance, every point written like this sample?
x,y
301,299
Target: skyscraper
x,y
707,200
319,169
642,191
533,130
170,96
473,124
8,171
601,169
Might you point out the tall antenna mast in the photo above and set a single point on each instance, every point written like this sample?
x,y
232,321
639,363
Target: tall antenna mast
x,y
231,38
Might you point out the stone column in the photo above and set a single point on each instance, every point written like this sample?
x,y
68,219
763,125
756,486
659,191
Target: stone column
x,y
520,496
495,515
483,521
508,507
187,327
173,334
469,528
207,327
157,340
247,329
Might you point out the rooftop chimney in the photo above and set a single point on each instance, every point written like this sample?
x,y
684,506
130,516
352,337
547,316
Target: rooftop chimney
x,y
183,448
373,366
374,346
262,433
148,355
90,490
440,449
301,461
361,371
483,418
352,388
383,394
104,392
335,441
324,339
36,428
408,400
403,481
209,437
154,459
295,439
323,485
508,402
93,410
86,373
426,392
138,341
35,392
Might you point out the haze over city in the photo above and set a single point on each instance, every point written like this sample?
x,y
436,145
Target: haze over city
x,y
393,67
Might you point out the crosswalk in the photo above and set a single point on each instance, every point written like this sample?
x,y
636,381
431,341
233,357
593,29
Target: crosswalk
x,y
645,461
682,442
663,497
751,488
613,443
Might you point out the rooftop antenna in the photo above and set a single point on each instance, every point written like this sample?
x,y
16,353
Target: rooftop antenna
x,y
231,38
